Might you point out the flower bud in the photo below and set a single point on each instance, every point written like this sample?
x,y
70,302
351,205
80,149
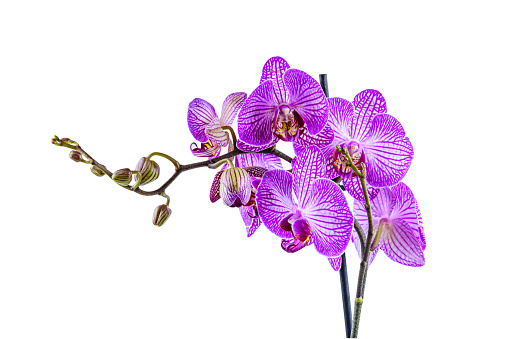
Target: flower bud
x,y
161,214
122,176
149,171
97,170
75,156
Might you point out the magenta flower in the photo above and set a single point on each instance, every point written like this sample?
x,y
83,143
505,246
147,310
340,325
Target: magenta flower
x,y
243,195
320,214
288,105
372,137
207,128
395,210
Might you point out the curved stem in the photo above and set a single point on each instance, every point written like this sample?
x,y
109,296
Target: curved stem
x,y
232,132
138,181
166,156
167,198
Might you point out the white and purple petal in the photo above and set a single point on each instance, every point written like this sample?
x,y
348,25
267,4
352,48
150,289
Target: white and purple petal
x,y
330,218
235,183
388,152
308,99
205,150
215,188
321,139
306,168
274,201
255,171
354,188
256,116
216,134
266,160
250,220
340,119
405,207
199,114
400,244
367,104
273,70
335,263
250,148
231,107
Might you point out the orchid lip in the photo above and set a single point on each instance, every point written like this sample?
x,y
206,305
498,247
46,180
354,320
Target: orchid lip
x,y
357,154
287,123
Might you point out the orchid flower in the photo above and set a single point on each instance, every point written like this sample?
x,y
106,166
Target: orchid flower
x,y
320,213
207,128
372,137
288,105
237,186
398,226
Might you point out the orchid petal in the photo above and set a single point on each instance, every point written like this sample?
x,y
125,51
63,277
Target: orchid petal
x,y
321,139
205,150
308,99
214,189
250,148
389,153
367,105
274,200
405,207
257,115
273,70
199,115
354,188
231,107
421,228
329,217
335,263
307,167
340,118
400,244
252,224
265,160
255,171
216,134
235,183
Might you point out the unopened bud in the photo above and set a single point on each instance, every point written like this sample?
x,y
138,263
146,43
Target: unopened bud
x,y
149,171
161,214
122,176
75,156
97,170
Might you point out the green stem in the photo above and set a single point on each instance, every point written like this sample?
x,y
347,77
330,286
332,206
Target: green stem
x,y
166,156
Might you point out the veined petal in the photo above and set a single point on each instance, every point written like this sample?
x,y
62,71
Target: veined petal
x,y
231,107
354,188
400,244
335,263
257,114
266,160
235,183
255,171
321,139
248,216
199,114
389,153
205,150
422,237
274,200
405,206
307,98
307,167
250,148
383,204
367,104
273,70
329,217
340,118
214,189
216,134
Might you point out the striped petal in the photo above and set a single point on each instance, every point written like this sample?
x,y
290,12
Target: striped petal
x,y
327,151
405,206
308,99
329,217
235,183
307,167
340,118
367,104
382,206
214,189
252,224
273,70
250,148
422,237
206,149
231,107
400,244
335,263
354,188
216,134
199,114
265,160
389,153
257,114
322,139
255,171
274,200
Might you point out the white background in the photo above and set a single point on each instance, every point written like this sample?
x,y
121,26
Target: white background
x,y
79,256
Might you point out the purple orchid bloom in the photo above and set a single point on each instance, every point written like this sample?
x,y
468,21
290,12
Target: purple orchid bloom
x,y
320,215
237,190
372,137
397,220
207,128
288,105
